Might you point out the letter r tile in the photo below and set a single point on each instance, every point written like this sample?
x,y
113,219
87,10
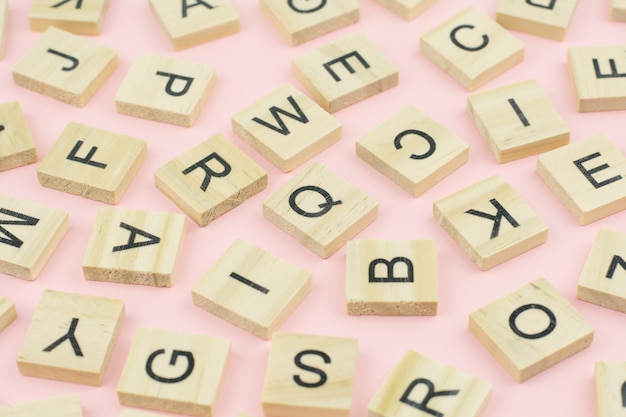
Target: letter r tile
x,y
76,16
66,406
610,382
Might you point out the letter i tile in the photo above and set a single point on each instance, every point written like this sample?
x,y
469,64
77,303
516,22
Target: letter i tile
x,y
66,406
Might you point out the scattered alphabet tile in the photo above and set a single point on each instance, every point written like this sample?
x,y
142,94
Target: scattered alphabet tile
x,y
402,394
71,337
195,23
29,234
618,10
76,16
66,67
174,372
134,247
610,382
287,127
309,375
320,209
210,179
8,313
490,222
345,71
127,412
587,176
252,289
165,89
407,9
517,120
472,48
299,22
391,278
4,18
412,150
17,147
546,19
66,406
531,329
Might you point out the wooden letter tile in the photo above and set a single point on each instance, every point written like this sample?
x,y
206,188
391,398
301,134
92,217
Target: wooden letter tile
x,y
413,150
174,372
29,234
210,179
517,121
92,163
197,22
610,388
618,10
345,71
407,9
65,67
587,176
309,375
546,19
76,16
531,329
287,128
8,314
71,337
490,222
17,147
127,412
67,406
391,278
4,18
165,89
472,48
320,210
134,247
299,22
419,386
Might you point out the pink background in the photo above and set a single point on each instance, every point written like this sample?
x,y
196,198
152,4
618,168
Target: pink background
x,y
249,65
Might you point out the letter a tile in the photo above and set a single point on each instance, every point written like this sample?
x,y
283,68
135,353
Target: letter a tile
x,y
76,16
610,379
407,9
17,147
412,386
548,19
71,337
8,314
618,10
531,329
174,372
67,406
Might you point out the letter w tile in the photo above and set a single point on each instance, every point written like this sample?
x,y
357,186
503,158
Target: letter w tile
x,y
277,111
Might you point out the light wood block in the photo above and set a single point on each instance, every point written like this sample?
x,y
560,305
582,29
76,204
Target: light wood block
x,y
448,391
309,375
210,179
299,22
8,313
413,150
76,16
66,406
17,147
29,234
92,163
66,67
287,127
71,337
548,19
472,48
252,289
345,71
196,22
134,247
165,89
618,10
127,412
531,329
174,372
610,382
4,18
517,120
407,9
391,278
587,176
320,209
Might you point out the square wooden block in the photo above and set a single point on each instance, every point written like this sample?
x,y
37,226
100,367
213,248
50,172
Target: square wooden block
x,y
66,67
195,22
345,71
587,176
531,329
92,163
490,222
320,209
252,289
134,247
210,179
4,18
546,19
165,89
413,150
174,372
127,412
17,147
287,127
309,375
610,377
71,337
8,313
618,10
413,385
517,120
76,16
391,277
407,9
66,406
472,48
29,234
299,22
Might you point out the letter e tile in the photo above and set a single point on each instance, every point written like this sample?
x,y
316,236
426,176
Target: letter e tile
x,y
76,16
407,9
66,406
17,147
618,10
8,313
610,379
546,19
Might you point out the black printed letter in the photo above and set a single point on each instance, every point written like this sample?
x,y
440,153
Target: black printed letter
x,y
70,335
290,3
614,73
543,333
24,220
79,4
344,60
617,260
465,47
172,79
277,111
519,113
175,355
322,374
545,6
152,240
432,146
423,405
197,3
390,275
249,283
86,160
588,173
496,218
325,207
209,173
74,61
